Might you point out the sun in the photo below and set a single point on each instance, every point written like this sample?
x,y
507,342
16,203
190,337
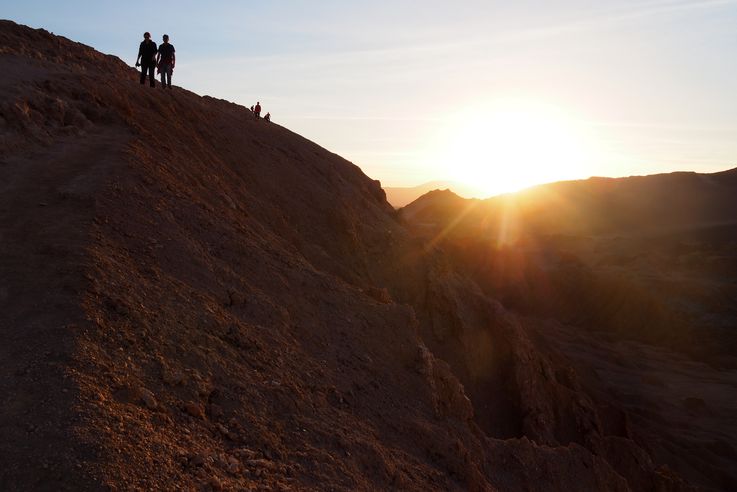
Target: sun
x,y
505,147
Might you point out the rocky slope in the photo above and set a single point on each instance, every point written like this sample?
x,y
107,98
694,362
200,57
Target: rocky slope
x,y
193,299
659,268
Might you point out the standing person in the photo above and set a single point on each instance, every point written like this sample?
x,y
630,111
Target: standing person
x,y
257,110
165,60
147,59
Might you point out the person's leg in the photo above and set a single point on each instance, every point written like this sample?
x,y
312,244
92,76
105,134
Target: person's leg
x,y
163,78
151,75
143,74
169,71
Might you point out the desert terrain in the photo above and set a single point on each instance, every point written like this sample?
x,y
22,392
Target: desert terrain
x,y
192,299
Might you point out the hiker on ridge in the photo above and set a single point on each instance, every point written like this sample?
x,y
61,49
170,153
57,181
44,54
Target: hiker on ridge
x,y
257,110
147,59
267,117
165,60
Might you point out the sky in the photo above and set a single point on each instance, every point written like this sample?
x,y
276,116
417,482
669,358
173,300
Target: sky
x,y
497,94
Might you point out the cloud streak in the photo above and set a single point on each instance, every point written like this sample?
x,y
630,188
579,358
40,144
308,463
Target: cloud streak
x,y
614,18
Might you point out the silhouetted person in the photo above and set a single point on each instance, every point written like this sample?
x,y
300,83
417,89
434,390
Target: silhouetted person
x,y
257,110
147,59
251,108
267,117
165,60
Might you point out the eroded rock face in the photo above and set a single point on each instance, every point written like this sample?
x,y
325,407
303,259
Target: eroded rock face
x,y
278,325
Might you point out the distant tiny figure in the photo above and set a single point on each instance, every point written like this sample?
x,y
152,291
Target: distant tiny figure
x,y
165,60
257,110
251,108
267,117
147,59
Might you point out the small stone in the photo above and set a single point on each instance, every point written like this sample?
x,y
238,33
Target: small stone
x,y
261,464
148,399
216,484
379,294
230,202
246,453
234,468
194,410
197,460
172,377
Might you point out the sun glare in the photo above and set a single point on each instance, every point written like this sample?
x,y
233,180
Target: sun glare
x,y
508,147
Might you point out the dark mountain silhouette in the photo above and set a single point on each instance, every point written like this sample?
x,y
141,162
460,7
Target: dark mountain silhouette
x,y
608,264
640,240
190,298
400,196
642,204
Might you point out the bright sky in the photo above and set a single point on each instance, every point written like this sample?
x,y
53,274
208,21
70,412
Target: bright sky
x,y
496,93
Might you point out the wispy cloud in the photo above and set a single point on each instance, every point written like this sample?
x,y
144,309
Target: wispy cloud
x,y
616,17
662,126
444,55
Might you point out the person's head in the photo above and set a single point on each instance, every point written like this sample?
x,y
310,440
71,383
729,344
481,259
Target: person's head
x,y
166,38
146,35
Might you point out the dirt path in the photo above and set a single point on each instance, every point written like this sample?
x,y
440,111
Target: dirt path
x,y
46,207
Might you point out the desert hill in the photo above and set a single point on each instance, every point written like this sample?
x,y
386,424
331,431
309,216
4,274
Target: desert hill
x,y
193,299
595,206
659,245
611,270
399,196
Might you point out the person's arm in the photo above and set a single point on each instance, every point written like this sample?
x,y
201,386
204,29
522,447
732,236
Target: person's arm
x,y
173,58
158,56
140,52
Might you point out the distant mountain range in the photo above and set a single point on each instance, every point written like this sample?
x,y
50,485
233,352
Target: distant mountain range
x,y
401,196
652,258
593,206
632,280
